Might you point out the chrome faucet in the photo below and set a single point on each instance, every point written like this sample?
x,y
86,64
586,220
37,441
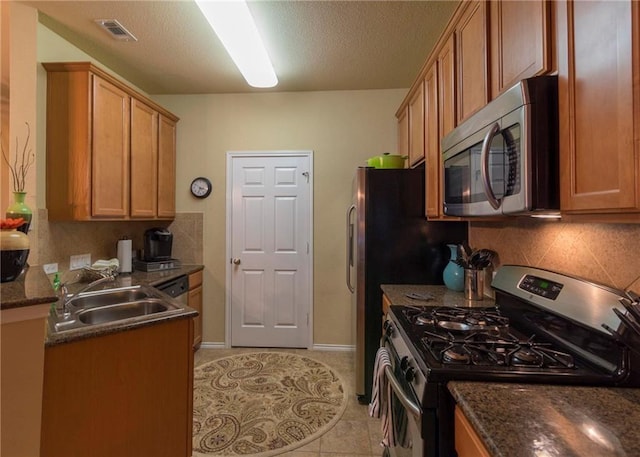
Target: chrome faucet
x,y
66,298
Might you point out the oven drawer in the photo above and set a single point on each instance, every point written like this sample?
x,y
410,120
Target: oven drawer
x,y
468,443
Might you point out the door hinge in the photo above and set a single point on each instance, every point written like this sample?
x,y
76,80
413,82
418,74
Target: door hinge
x,y
307,319
307,248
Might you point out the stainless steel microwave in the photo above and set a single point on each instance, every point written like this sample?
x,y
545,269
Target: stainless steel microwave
x,y
503,160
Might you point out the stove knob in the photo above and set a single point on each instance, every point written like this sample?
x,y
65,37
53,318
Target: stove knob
x,y
404,363
388,328
409,374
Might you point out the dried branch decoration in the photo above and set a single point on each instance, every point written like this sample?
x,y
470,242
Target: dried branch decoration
x,y
27,158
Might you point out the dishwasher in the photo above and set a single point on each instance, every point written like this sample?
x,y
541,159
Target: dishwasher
x,y
177,288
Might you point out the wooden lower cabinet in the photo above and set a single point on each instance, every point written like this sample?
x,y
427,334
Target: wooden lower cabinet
x,y
468,443
386,304
195,302
125,394
22,360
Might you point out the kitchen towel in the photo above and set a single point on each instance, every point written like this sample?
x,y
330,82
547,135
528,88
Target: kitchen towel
x,y
124,255
380,406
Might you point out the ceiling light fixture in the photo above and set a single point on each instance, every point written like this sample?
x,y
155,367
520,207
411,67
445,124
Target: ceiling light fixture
x,y
233,23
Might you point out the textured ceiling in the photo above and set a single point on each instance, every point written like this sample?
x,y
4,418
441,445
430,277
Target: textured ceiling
x,y
314,45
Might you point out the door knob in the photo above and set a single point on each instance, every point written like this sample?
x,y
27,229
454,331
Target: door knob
x,y
235,261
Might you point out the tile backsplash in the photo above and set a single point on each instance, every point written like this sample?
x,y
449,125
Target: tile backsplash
x,y
57,241
603,253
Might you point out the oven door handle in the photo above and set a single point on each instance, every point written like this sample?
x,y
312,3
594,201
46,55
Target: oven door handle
x,y
484,160
409,404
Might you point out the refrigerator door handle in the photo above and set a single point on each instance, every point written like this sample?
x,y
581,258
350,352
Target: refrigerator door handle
x,y
350,211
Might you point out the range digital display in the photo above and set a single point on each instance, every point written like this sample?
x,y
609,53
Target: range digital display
x,y
542,287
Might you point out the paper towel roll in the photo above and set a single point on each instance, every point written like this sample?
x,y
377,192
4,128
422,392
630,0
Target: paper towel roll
x,y
124,255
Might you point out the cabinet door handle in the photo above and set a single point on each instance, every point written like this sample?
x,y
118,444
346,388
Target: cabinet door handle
x,y
235,261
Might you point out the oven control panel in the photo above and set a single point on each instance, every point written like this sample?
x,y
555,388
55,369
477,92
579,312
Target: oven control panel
x,y
578,299
540,286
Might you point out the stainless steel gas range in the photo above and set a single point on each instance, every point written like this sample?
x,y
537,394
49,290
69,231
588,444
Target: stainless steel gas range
x,y
545,327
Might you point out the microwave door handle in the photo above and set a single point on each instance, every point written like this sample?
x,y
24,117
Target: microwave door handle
x,y
350,247
484,159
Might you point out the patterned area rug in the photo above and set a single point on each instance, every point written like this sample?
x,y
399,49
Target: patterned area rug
x,y
263,403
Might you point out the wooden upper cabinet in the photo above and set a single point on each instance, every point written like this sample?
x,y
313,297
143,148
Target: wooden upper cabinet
x,y
471,60
167,167
599,102
520,43
447,87
416,126
108,147
109,150
144,160
403,131
433,157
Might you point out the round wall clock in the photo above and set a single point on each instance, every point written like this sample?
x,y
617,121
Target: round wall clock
x,y
201,187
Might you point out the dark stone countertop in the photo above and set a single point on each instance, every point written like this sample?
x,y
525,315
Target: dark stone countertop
x,y
534,420
34,288
30,288
397,295
125,280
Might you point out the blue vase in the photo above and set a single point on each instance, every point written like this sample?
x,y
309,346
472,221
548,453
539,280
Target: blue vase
x,y
453,274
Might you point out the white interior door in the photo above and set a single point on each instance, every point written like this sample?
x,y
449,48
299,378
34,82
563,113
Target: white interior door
x,y
269,236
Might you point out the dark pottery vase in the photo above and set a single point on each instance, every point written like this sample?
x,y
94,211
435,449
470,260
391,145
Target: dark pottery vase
x,y
14,251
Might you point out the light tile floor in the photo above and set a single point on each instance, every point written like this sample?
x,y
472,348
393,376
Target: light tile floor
x,y
354,435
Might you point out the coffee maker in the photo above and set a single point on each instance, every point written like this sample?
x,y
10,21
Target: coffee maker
x,y
158,242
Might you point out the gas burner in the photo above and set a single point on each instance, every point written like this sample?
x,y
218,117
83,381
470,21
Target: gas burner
x,y
467,320
417,315
424,320
488,348
526,356
456,326
456,354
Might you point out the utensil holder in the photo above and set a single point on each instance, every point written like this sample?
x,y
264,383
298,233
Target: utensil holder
x,y
473,284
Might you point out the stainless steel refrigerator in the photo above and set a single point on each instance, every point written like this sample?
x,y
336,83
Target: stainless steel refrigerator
x,y
389,241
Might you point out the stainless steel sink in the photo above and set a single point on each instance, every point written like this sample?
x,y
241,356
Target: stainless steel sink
x,y
113,306
122,311
109,297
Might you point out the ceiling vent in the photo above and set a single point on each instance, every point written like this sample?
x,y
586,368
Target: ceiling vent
x,y
115,29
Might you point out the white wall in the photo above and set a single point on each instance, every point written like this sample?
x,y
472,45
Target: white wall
x,y
343,128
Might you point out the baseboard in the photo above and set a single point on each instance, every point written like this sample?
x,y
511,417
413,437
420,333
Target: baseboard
x,y
315,347
333,347
211,345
